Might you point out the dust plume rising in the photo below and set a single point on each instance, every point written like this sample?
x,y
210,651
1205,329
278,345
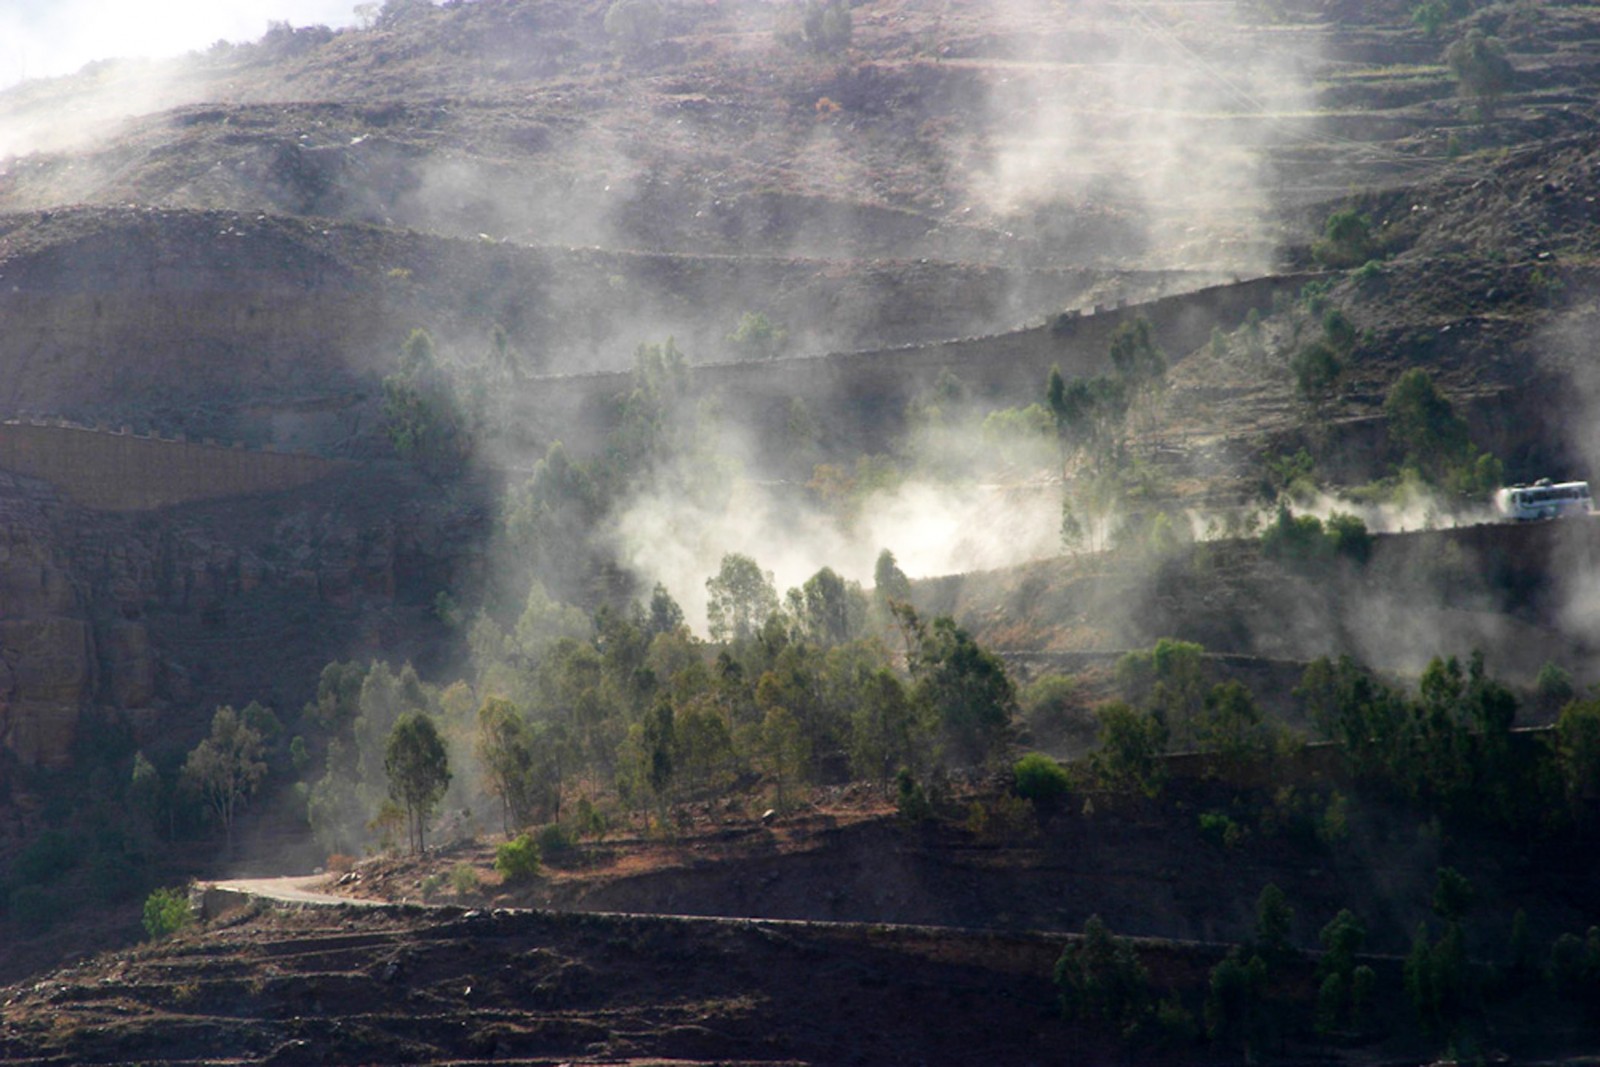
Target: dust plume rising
x,y
1151,122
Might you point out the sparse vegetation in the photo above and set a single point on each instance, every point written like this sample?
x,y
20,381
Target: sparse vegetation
x,y
517,860
514,497
166,911
1040,779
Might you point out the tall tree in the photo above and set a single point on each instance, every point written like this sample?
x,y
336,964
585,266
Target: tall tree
x,y
509,752
418,771
226,768
741,596
967,688
422,411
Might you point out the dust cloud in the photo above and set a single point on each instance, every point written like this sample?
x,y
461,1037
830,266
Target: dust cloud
x,y
1161,121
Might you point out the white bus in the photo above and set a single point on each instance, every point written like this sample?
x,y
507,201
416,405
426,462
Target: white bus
x,y
1544,500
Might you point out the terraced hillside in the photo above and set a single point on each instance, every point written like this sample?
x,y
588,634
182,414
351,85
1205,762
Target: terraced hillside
x,y
863,249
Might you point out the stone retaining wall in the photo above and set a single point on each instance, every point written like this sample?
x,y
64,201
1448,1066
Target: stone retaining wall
x,y
122,471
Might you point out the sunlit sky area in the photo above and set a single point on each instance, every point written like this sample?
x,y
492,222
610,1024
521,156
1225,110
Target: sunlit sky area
x,y
45,38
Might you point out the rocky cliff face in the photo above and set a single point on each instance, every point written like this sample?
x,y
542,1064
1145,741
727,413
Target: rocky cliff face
x,y
157,617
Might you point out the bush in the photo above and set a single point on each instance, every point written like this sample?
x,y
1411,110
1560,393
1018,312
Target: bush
x,y
463,879
554,839
1005,819
1220,829
1346,240
1040,779
166,911
517,860
1348,537
911,801
1304,539
1316,369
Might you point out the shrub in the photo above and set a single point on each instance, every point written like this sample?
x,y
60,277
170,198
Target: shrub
x,y
1055,702
590,820
554,839
1304,539
1293,538
517,860
1220,829
1346,240
1040,779
1348,537
910,800
1316,369
166,911
1005,819
431,886
463,879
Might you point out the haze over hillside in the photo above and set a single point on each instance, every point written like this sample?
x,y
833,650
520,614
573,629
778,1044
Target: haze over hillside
x,y
698,387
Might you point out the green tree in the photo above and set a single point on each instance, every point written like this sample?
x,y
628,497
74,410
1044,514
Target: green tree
x,y
145,794
166,911
1167,679
1101,981
1577,751
1235,1007
1553,688
1039,778
1430,15
1423,422
1131,744
1316,369
740,598
517,860
664,615
782,753
967,689
1274,921
1135,355
418,771
758,337
516,771
422,412
1346,240
1230,724
884,729
830,610
889,586
226,768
